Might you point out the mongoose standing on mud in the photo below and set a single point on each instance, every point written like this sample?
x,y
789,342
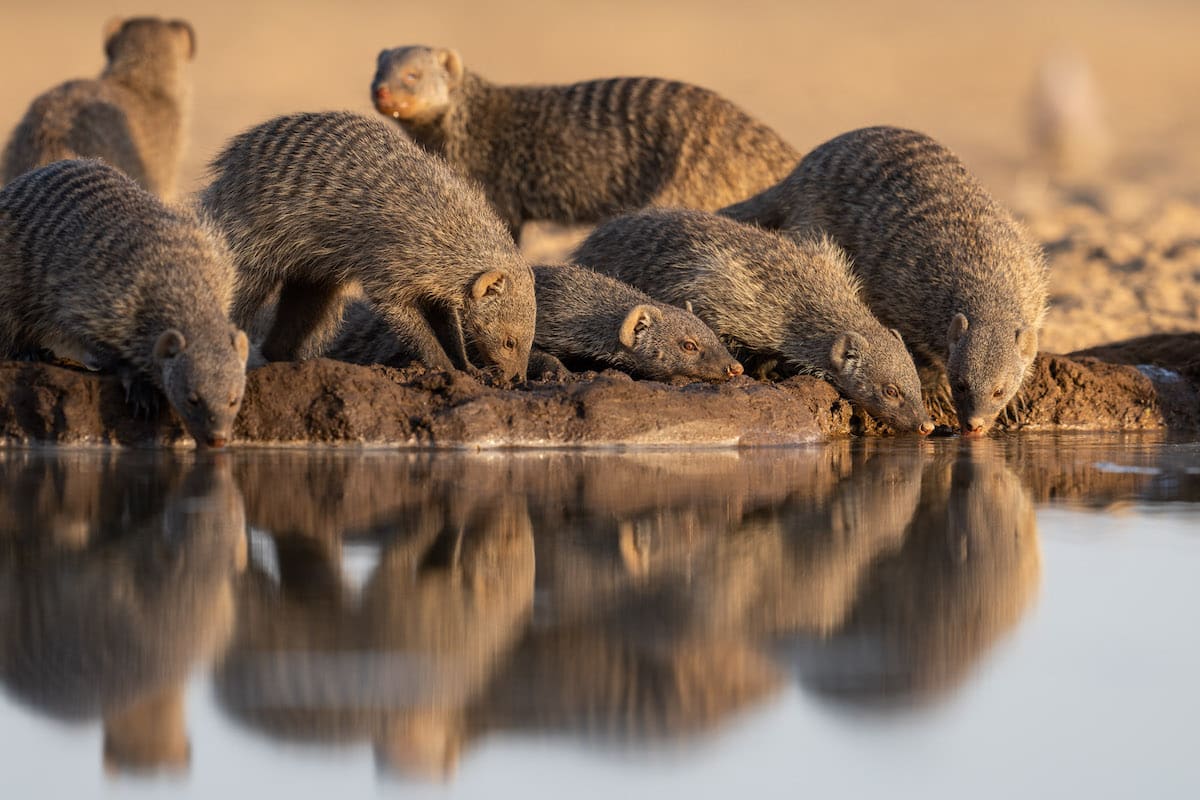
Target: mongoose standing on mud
x,y
583,152
134,116
93,266
798,302
584,318
938,258
315,203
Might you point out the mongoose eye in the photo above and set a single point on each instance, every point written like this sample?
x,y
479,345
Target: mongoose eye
x,y
233,401
193,399
891,391
411,77
510,343
999,393
689,345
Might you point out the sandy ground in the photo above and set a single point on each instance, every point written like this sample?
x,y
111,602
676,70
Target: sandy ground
x,y
1124,241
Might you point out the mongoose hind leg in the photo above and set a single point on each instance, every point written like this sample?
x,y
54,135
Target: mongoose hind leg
x,y
307,315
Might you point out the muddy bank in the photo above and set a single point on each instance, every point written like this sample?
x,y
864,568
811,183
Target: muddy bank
x,y
328,402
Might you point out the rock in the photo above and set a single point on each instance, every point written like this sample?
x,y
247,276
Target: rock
x,y
329,402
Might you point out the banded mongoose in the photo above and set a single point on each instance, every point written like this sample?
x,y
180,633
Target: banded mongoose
x,y
938,258
797,302
134,116
315,203
583,152
583,318
94,266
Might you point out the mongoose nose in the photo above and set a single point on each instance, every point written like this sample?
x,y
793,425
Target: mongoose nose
x,y
381,93
974,427
734,369
926,428
216,442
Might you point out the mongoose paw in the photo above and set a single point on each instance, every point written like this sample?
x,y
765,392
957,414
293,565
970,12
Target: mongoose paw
x,y
143,397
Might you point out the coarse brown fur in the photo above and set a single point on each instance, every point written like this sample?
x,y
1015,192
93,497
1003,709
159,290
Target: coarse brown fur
x,y
939,259
583,152
585,319
134,116
794,302
314,204
94,267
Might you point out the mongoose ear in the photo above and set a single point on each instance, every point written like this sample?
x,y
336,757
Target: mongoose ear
x,y
111,29
896,333
1027,343
241,343
170,344
492,282
637,320
451,61
958,326
186,28
847,351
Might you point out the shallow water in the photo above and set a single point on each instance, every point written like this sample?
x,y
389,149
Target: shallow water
x,y
922,618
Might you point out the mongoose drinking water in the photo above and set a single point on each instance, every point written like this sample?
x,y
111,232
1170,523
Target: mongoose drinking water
x,y
798,302
94,266
938,258
133,116
315,203
585,318
583,152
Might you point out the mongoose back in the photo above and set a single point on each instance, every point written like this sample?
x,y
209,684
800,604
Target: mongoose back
x,y
583,152
797,302
318,202
93,266
134,116
939,259
585,318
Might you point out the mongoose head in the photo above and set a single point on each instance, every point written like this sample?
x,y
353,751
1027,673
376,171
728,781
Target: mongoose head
x,y
987,364
148,48
203,379
414,83
878,374
665,342
499,318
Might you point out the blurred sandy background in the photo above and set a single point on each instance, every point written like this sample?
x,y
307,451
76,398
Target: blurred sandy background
x,y
961,71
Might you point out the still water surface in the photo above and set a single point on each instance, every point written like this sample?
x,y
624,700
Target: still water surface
x,y
912,618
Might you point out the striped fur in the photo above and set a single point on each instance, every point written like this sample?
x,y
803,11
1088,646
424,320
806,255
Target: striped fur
x,y
929,243
794,302
580,318
583,152
134,116
94,267
313,204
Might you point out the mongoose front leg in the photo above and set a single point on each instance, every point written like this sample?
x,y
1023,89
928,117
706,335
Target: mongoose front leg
x,y
544,366
458,341
412,328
